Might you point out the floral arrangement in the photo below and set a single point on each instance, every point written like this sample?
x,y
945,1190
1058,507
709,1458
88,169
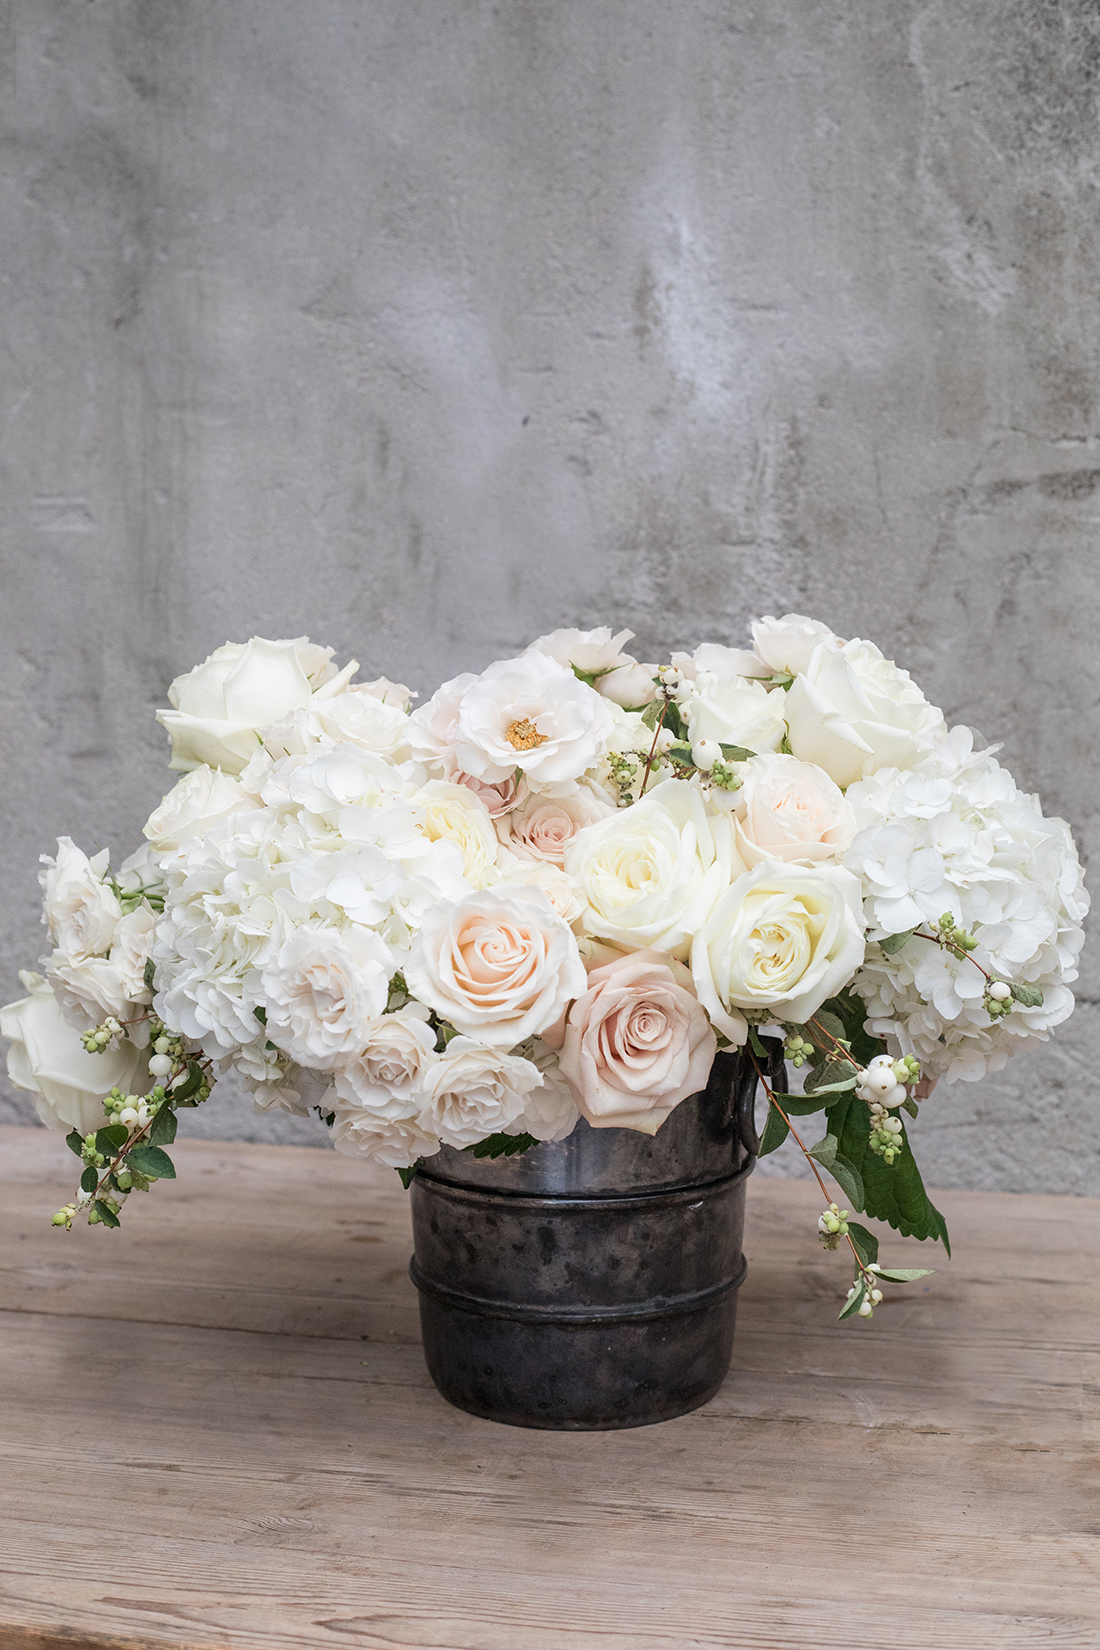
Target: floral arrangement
x,y
555,890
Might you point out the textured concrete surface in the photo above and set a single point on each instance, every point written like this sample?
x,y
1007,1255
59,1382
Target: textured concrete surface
x,y
423,327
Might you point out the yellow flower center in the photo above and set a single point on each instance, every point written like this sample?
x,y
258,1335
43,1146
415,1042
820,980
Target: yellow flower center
x,y
524,736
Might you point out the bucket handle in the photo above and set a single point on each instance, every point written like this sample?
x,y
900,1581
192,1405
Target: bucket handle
x,y
775,1071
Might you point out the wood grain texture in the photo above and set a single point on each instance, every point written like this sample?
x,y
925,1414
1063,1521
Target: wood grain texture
x,y
218,1433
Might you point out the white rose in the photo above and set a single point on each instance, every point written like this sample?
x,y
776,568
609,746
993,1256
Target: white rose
x,y
132,948
48,1058
390,693
650,874
534,714
725,663
219,706
324,988
592,653
141,873
786,645
735,711
560,890
433,728
88,990
500,965
392,1063
542,827
203,796
631,685
80,909
790,810
360,716
781,940
852,712
394,1133
453,813
474,1091
550,1112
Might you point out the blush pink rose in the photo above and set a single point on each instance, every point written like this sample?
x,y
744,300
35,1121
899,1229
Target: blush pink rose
x,y
637,1043
542,827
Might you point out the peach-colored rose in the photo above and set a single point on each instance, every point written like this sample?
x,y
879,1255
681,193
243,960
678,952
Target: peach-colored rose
x,y
542,827
791,810
637,1043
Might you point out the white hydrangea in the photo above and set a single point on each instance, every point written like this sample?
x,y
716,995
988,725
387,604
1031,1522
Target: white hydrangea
x,y
955,835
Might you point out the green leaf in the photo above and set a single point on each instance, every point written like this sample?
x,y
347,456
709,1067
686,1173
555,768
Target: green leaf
x,y
502,1145
163,1131
756,1045
1028,996
75,1142
109,1139
894,942
261,1014
851,1010
107,1216
803,1105
736,753
191,1083
681,755
892,1192
845,1173
651,715
864,1242
910,1105
853,1306
825,1021
147,974
408,1175
775,1132
904,1274
151,1161
841,1085
89,1180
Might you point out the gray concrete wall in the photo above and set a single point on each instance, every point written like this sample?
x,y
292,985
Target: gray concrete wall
x,y
424,325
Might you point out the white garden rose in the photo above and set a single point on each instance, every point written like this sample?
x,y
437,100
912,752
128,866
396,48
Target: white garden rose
x,y
560,890
392,1062
48,1058
735,711
790,810
542,827
324,988
473,1091
397,1141
80,910
453,813
203,796
534,714
219,707
786,646
549,1112
592,653
725,663
651,874
361,717
88,990
852,712
780,941
499,965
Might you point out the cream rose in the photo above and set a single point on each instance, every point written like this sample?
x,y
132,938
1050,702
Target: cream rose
x,y
790,810
80,910
473,1091
780,941
48,1058
735,711
219,707
397,1141
542,827
499,965
786,645
852,712
636,1043
651,874
393,1061
560,890
202,797
453,813
323,990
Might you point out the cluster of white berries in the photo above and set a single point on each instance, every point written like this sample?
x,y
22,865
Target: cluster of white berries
x,y
101,1036
134,1110
167,1051
832,1226
672,685
866,1308
998,999
883,1088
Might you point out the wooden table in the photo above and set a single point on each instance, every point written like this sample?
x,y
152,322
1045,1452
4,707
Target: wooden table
x,y
217,1430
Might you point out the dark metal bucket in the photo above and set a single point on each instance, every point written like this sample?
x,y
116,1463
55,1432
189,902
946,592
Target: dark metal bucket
x,y
591,1284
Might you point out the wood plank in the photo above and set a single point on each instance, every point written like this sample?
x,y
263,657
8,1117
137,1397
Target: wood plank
x,y
198,1447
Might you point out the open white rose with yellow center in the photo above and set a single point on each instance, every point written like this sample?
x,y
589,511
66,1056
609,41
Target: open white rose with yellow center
x,y
651,874
500,965
790,810
852,712
533,714
48,1058
636,1043
780,941
219,707
323,989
